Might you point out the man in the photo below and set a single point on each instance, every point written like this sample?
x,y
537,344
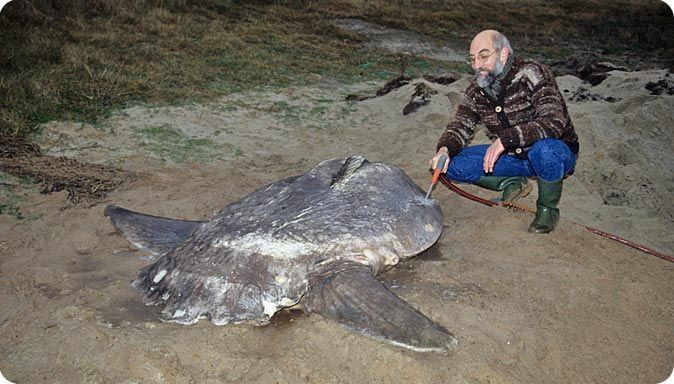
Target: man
x,y
526,118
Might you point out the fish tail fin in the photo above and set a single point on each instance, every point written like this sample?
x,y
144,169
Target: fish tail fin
x,y
157,234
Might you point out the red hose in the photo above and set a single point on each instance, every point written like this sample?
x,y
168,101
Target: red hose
x,y
629,243
596,231
465,194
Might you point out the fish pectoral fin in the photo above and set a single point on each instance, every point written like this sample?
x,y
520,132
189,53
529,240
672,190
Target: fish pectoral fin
x,y
348,293
351,164
157,234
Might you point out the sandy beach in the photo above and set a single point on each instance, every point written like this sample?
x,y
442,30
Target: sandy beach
x,y
568,307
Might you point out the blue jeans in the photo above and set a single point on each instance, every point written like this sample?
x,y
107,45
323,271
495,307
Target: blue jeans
x,y
548,159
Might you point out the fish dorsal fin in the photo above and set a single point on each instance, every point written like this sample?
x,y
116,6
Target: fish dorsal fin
x,y
351,164
156,234
348,292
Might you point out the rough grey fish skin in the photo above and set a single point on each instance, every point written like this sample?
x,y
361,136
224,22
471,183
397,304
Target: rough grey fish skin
x,y
322,235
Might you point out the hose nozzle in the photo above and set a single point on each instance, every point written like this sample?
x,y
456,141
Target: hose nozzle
x,y
436,174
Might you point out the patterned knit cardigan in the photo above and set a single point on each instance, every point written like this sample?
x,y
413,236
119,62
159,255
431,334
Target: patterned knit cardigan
x,y
529,108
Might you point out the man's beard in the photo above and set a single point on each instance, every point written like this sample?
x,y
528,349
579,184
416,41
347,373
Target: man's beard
x,y
487,81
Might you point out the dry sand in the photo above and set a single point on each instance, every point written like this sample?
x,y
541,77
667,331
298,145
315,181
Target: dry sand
x,y
568,307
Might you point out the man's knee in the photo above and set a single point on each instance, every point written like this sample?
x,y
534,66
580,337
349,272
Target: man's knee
x,y
550,148
551,159
464,169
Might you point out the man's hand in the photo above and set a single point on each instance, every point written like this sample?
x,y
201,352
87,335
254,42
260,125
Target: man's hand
x,y
433,162
493,152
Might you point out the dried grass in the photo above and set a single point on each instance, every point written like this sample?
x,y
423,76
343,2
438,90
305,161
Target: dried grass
x,y
79,59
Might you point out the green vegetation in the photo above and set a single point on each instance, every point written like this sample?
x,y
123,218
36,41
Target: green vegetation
x,y
172,144
78,60
9,199
9,204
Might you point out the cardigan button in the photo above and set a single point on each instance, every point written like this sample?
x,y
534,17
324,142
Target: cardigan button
x,y
498,109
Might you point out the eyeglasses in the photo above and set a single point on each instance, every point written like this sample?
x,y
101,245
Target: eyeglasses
x,y
482,56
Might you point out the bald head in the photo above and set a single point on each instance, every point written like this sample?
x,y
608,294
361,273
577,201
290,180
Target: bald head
x,y
491,40
485,37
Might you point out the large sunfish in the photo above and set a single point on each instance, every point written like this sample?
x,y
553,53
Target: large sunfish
x,y
317,240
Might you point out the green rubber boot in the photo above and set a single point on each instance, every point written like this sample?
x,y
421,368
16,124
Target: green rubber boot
x,y
513,187
547,213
